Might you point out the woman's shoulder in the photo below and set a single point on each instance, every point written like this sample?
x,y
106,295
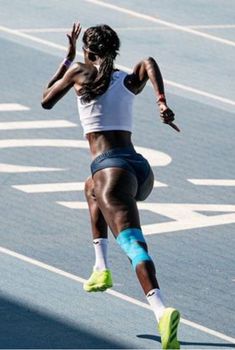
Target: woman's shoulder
x,y
84,67
84,72
118,75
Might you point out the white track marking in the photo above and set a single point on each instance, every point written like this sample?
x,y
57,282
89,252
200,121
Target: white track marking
x,y
199,92
168,82
155,158
73,204
12,107
112,292
79,205
17,143
185,216
44,30
149,28
10,168
37,124
212,182
60,187
53,187
159,21
33,38
213,26
159,184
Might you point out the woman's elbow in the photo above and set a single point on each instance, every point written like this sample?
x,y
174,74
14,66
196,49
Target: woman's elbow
x,y
46,105
149,60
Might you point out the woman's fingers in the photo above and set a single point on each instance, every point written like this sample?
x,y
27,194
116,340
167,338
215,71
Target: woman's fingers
x,y
78,30
174,126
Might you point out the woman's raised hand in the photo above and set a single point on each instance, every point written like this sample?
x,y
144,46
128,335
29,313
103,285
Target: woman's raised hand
x,y
73,36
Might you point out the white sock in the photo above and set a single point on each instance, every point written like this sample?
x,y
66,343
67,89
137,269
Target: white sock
x,y
101,250
155,300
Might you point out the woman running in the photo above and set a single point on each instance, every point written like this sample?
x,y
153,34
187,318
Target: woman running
x,y
119,176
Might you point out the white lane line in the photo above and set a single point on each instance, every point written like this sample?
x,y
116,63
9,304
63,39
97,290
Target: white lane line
x,y
212,182
213,26
159,21
10,168
111,292
38,124
167,82
32,38
44,30
60,187
12,107
200,92
64,30
150,28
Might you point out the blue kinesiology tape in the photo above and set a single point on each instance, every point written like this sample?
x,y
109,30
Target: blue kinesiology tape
x,y
129,241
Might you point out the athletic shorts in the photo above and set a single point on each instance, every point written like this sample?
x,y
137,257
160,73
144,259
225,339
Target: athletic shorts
x,y
125,158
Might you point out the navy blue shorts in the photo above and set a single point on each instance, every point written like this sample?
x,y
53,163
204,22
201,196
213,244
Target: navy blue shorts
x,y
125,158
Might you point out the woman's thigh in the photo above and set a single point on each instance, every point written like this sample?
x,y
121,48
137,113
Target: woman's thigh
x,y
115,191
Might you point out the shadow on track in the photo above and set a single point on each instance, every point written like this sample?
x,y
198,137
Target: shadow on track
x,y
22,327
212,345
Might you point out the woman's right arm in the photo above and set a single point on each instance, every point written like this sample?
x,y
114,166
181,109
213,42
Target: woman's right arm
x,y
145,70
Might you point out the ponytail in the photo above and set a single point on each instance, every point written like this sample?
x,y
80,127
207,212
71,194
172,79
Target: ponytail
x,y
98,86
102,41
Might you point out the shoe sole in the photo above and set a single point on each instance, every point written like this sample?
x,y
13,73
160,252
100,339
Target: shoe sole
x,y
97,287
170,335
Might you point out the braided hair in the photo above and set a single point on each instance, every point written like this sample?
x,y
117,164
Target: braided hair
x,y
101,41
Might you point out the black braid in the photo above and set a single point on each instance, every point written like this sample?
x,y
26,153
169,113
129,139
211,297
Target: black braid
x,y
101,41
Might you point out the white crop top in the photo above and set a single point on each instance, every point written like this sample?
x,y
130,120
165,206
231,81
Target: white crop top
x,y
110,111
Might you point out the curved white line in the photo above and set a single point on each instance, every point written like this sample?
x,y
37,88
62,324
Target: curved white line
x,y
155,158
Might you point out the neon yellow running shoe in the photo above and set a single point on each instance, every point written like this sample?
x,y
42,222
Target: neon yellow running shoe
x,y
167,327
99,281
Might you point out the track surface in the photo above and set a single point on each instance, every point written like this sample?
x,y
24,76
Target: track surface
x,y
46,248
